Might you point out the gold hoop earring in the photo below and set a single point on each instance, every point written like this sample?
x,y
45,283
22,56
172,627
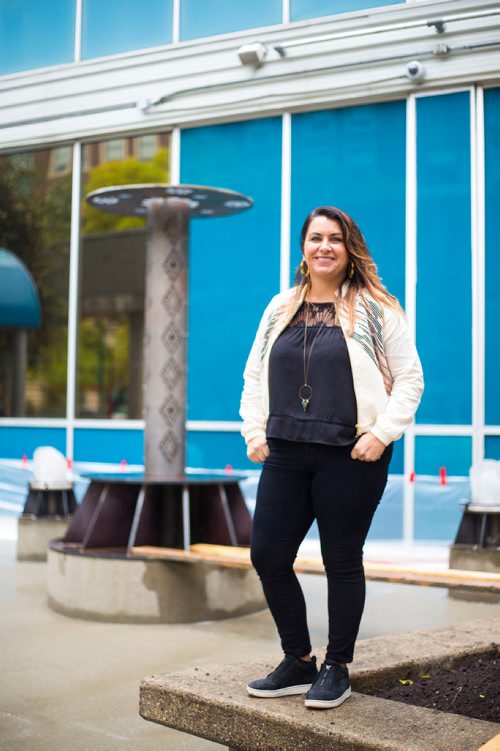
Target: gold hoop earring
x,y
351,269
303,268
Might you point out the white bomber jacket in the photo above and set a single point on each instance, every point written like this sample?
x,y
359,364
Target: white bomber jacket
x,y
386,370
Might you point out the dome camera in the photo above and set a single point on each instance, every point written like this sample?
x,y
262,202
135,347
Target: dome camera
x,y
415,71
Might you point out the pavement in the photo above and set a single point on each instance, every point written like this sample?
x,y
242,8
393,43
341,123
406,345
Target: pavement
x,y
74,684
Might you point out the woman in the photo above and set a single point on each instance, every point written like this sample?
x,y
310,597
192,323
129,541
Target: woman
x,y
333,378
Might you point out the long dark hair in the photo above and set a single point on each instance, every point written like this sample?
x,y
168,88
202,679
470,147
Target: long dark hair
x,y
366,276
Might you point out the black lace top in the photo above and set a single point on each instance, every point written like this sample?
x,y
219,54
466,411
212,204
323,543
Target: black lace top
x,y
330,416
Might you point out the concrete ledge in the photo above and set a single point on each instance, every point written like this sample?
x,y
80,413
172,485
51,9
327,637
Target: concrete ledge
x,y
35,533
474,558
130,590
212,703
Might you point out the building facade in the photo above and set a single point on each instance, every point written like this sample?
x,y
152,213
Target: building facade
x,y
388,110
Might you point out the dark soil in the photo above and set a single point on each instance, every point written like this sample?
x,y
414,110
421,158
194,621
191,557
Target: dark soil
x,y
472,689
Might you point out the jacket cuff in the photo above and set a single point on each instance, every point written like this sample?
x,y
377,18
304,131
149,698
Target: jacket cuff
x,y
386,440
248,435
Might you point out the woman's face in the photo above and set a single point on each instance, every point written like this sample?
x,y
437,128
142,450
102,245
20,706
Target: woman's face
x,y
324,250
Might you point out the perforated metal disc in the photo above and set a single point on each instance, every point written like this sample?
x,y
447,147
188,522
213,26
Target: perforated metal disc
x,y
203,202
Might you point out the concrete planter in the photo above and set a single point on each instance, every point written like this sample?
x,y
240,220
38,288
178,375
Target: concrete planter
x,y
35,533
125,590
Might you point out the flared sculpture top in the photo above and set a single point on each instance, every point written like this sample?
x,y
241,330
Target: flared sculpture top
x,y
202,201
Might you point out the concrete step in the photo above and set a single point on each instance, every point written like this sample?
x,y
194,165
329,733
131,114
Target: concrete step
x,y
212,703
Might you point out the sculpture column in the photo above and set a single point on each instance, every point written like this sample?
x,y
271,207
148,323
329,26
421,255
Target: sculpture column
x,y
165,338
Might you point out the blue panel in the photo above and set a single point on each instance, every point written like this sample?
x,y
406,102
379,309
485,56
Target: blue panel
x,y
210,450
300,9
201,19
121,25
388,520
444,294
396,466
337,151
18,442
234,261
438,508
103,445
492,167
492,447
452,452
34,34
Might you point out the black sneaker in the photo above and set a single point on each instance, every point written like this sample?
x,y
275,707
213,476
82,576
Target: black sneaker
x,y
330,689
292,676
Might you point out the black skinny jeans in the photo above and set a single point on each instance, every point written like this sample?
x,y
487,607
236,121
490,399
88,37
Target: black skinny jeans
x,y
301,482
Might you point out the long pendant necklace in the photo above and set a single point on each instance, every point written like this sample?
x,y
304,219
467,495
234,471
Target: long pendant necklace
x,y
305,391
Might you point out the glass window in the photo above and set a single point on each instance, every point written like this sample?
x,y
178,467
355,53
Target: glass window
x,y
110,445
202,19
336,151
35,211
454,453
301,9
114,150
234,261
492,302
35,34
492,447
146,146
111,302
60,162
444,293
122,25
438,498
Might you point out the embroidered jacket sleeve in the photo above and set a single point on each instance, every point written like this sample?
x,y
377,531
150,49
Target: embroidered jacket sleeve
x,y
252,410
406,372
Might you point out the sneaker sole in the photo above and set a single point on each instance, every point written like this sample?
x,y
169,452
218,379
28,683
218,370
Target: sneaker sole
x,y
288,691
325,704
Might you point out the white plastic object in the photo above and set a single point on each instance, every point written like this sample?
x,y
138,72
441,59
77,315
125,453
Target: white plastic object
x,y
49,467
485,483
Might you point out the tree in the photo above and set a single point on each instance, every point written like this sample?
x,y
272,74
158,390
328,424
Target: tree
x,y
129,172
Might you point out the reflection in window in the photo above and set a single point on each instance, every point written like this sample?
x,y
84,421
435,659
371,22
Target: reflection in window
x,y
114,150
301,9
60,161
199,19
146,147
35,211
111,304
122,25
36,34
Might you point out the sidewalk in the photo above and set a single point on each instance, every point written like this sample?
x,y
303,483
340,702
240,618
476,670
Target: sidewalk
x,y
71,684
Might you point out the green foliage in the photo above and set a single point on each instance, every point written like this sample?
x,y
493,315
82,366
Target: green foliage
x,y
35,216
129,172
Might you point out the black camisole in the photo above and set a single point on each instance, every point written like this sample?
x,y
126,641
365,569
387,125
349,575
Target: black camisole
x,y
331,414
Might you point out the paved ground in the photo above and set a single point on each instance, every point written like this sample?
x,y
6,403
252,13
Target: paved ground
x,y
70,684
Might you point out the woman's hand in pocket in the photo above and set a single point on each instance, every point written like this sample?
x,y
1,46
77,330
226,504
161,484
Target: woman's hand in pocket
x,y
257,450
368,448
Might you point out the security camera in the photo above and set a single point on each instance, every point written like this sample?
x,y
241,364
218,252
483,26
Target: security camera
x,y
415,71
253,54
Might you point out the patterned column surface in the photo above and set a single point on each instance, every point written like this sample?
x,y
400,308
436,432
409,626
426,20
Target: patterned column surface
x,y
165,337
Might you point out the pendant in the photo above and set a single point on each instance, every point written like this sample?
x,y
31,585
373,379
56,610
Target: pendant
x,y
305,395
